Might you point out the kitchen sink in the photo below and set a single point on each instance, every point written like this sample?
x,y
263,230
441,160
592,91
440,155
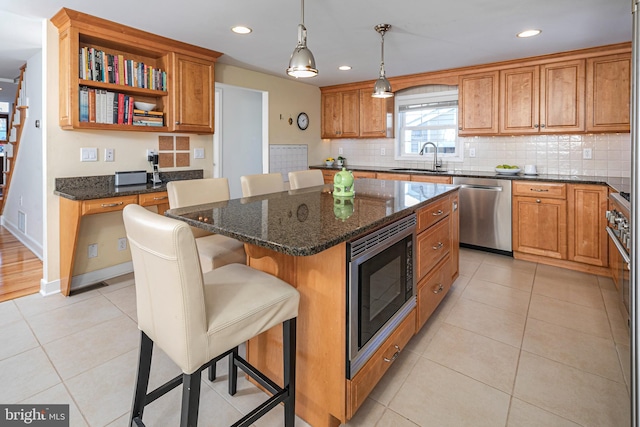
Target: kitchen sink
x,y
410,170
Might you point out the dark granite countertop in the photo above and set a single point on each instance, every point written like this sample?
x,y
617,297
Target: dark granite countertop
x,y
616,183
308,221
102,186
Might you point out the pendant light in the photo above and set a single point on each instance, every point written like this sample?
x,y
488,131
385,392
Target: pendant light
x,y
302,63
382,88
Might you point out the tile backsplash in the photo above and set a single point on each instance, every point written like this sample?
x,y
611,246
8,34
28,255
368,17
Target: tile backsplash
x,y
552,154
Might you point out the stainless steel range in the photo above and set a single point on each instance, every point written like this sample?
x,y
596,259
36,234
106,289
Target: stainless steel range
x,y
620,233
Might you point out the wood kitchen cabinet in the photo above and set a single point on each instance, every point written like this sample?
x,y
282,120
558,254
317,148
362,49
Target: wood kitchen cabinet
x,y
545,98
608,89
478,101
341,114
393,176
186,100
433,179
376,116
539,213
587,236
192,89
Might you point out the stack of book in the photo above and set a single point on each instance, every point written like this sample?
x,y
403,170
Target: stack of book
x,y
148,118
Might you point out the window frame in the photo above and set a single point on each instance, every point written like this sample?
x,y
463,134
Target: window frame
x,y
424,98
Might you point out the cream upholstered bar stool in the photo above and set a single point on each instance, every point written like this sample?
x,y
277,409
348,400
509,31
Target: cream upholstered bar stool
x,y
262,183
214,250
197,318
305,178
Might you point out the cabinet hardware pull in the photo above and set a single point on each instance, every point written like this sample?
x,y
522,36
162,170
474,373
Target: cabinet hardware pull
x,y
111,205
542,125
459,127
438,246
437,213
440,289
535,126
539,190
160,198
177,123
395,355
537,200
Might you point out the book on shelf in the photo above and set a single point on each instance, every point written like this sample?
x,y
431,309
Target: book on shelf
x,y
84,104
147,113
92,105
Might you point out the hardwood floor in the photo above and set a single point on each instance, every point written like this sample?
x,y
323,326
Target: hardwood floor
x,y
20,269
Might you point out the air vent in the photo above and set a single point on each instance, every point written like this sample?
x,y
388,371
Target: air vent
x,y
381,236
22,222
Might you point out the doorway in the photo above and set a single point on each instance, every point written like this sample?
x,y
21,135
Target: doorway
x,y
241,139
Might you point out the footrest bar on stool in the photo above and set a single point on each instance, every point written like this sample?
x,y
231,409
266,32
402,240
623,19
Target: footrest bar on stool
x,y
163,389
258,412
137,422
261,378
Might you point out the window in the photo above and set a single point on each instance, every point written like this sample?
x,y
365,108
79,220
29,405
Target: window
x,y
428,117
4,120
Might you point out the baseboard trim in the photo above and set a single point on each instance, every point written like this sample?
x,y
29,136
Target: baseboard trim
x,y
31,244
49,288
570,265
93,277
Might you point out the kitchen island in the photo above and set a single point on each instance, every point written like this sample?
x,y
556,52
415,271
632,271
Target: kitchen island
x,y
301,237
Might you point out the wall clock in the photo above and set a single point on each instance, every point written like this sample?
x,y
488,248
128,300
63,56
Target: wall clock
x,y
303,121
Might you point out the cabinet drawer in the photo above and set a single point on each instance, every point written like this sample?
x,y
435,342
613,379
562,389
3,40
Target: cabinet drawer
x,y
394,176
108,204
361,174
431,291
361,385
548,190
433,245
433,213
440,179
152,199
327,175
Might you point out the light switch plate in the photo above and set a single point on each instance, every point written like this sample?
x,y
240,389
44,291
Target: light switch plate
x,y
198,153
89,154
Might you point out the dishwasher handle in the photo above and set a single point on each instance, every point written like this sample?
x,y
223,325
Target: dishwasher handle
x,y
482,187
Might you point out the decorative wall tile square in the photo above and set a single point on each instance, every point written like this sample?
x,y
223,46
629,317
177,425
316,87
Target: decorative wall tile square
x,y
182,159
165,143
165,160
182,143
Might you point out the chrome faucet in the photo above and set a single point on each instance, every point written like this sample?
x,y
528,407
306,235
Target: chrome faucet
x,y
436,165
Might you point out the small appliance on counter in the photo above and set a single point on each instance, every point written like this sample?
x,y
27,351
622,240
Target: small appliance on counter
x,y
153,157
343,184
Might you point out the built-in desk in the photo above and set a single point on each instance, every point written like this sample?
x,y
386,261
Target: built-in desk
x,y
90,195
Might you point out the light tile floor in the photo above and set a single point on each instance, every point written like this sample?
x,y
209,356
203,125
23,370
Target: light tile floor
x,y
513,344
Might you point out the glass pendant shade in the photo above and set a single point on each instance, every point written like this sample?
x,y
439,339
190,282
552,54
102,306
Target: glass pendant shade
x,y
382,87
302,64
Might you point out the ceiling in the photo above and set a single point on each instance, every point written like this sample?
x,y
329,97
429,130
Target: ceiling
x,y
426,36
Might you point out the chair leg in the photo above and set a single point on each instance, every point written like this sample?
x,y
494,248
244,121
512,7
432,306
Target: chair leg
x,y
142,381
233,372
289,356
190,399
212,371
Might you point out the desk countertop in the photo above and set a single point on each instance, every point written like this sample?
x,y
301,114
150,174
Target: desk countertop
x,y
308,221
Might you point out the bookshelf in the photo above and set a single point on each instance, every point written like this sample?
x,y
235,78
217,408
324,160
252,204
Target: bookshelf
x,y
184,97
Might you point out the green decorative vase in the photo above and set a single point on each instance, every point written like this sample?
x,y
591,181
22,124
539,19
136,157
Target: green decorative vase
x,y
343,183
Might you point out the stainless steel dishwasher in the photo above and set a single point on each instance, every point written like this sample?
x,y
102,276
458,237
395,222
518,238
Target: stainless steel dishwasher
x,y
485,213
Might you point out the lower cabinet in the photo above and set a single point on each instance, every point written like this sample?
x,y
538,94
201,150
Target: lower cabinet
x,y
540,226
587,236
432,290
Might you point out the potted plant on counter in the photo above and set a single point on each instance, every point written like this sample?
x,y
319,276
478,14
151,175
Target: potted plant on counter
x,y
341,161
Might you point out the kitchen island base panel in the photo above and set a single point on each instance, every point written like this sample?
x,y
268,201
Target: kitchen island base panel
x,y
569,265
321,337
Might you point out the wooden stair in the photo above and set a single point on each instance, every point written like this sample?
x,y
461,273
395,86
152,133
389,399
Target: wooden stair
x,y
18,116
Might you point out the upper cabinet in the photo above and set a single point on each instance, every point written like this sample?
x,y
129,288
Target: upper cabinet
x,y
478,102
356,114
547,98
608,89
105,67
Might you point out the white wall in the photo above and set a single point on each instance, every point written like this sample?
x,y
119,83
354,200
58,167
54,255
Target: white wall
x,y
25,191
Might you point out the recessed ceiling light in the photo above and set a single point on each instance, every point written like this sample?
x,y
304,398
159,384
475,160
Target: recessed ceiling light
x,y
344,67
528,33
240,29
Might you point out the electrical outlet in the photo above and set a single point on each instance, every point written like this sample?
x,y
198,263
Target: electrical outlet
x,y
108,154
92,251
587,154
122,244
472,152
383,151
340,151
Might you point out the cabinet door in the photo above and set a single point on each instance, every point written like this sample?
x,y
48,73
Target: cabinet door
x,y
376,116
562,96
587,237
393,176
540,226
478,104
608,93
341,114
520,100
193,89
